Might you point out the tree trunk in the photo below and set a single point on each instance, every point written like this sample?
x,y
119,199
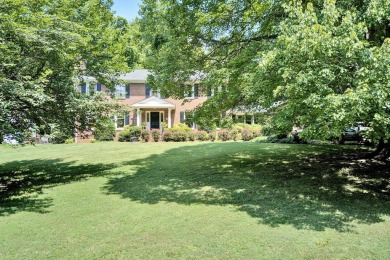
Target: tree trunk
x,y
382,150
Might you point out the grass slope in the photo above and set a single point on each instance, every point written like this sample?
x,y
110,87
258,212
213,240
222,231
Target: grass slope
x,y
192,200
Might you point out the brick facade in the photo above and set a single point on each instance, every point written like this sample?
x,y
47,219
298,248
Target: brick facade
x,y
138,93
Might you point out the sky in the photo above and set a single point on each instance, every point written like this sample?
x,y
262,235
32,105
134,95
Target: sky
x,y
126,8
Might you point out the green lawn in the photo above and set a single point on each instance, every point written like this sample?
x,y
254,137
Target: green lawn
x,y
192,201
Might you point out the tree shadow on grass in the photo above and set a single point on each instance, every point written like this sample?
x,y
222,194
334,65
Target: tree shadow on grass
x,y
308,187
21,182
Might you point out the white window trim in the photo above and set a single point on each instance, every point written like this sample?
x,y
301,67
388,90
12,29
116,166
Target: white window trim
x,y
193,126
148,123
116,121
155,93
123,91
192,96
88,85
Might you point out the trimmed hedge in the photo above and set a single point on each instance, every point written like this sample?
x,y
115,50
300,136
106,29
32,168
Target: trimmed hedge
x,y
145,135
223,135
201,136
179,136
167,136
155,134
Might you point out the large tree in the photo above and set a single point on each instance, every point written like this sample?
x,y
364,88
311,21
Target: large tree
x,y
325,63
47,47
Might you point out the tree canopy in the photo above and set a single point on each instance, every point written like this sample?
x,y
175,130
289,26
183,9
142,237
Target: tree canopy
x,y
324,62
46,47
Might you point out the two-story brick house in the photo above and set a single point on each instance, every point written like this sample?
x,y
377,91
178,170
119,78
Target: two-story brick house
x,y
149,108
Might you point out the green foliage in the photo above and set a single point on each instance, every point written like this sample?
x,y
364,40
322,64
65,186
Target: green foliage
x,y
234,134
267,130
167,136
201,136
213,136
69,141
57,134
130,133
191,136
155,134
104,130
145,135
246,134
47,47
181,128
223,135
179,136
227,123
321,64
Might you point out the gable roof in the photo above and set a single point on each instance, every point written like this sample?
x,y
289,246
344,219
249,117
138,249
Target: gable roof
x,y
136,76
153,102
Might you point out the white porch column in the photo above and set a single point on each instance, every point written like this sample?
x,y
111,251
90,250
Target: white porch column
x,y
253,119
138,117
115,122
169,117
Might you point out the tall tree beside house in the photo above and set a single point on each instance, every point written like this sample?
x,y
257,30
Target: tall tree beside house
x,y
325,62
46,47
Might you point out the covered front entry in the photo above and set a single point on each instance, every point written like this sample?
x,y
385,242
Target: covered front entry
x,y
155,112
155,120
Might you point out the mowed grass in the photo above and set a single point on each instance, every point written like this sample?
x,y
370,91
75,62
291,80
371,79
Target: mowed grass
x,y
192,201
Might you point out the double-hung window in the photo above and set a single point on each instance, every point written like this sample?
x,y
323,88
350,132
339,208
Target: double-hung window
x,y
90,88
121,119
120,91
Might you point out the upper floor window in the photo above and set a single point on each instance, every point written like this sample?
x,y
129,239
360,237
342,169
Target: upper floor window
x,y
191,91
121,91
90,88
152,92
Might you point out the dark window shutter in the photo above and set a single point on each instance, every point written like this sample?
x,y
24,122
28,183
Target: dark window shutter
x,y
209,91
127,118
98,87
147,91
128,91
182,117
196,91
83,87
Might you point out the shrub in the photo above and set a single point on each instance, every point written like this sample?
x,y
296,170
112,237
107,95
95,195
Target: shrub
x,y
181,128
135,131
233,134
246,134
167,136
124,136
56,133
213,136
256,132
69,141
223,135
156,134
266,130
130,133
145,135
179,136
104,130
191,136
227,123
92,140
201,136
237,128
